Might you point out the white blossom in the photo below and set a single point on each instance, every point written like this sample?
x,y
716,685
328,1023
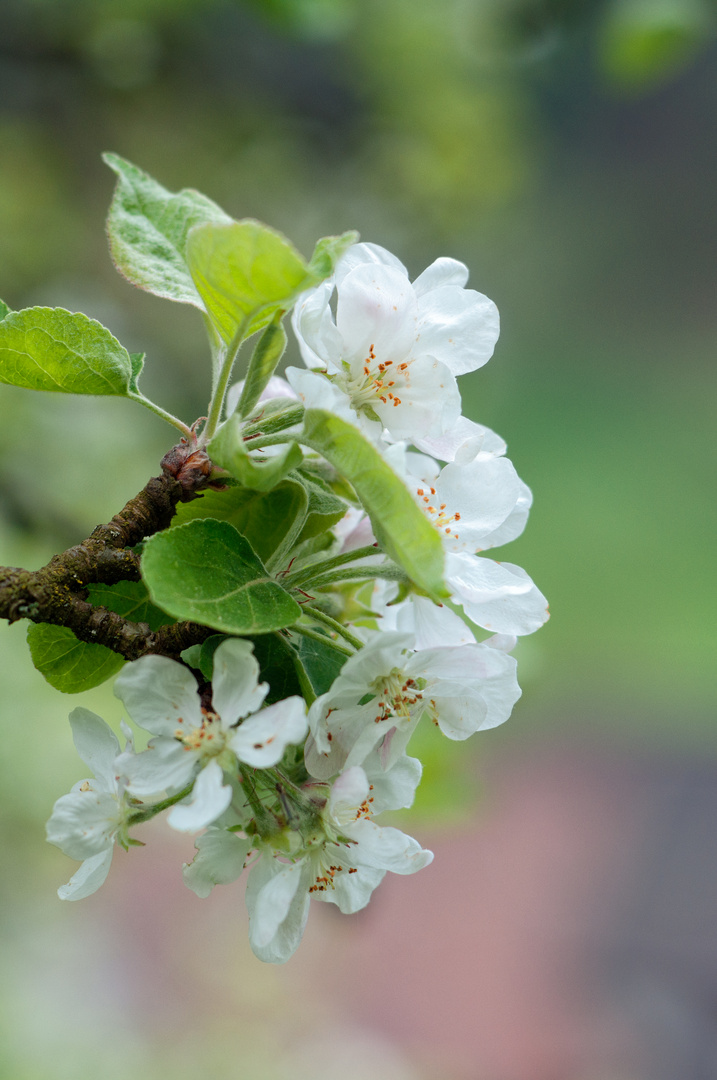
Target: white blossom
x,y
162,697
85,823
393,349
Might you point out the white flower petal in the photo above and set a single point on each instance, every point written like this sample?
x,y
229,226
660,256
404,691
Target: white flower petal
x,y
448,447
376,308
157,693
497,596
236,691
366,254
165,765
348,792
261,739
277,900
387,849
432,624
313,324
88,878
209,799
443,271
219,860
97,745
351,891
458,326
83,823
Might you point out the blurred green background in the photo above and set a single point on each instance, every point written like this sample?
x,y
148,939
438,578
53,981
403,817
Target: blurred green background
x,y
566,152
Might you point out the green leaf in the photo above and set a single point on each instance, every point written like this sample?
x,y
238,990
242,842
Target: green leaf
x,y
266,356
53,349
398,524
147,227
228,450
320,662
4,310
68,664
207,572
327,253
269,520
275,656
131,600
137,362
324,509
71,665
245,272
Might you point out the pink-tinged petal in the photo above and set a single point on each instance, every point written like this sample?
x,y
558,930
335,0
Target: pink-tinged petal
x,y
313,324
442,272
348,792
376,313
88,878
209,799
366,254
236,691
277,900
158,693
220,859
460,327
261,739
96,744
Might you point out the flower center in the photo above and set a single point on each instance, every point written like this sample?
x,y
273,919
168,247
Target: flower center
x,y
326,873
376,382
207,740
436,513
396,697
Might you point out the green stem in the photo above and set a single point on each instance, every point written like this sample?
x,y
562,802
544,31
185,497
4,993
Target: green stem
x,y
149,812
214,412
357,573
333,624
306,572
256,442
316,636
159,411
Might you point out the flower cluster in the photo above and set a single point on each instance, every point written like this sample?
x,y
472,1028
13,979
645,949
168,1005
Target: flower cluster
x,y
279,749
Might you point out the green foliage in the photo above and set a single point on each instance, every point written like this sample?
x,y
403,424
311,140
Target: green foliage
x,y
147,227
398,523
69,665
4,310
269,520
206,571
228,449
72,666
53,349
246,272
324,510
321,663
645,41
266,356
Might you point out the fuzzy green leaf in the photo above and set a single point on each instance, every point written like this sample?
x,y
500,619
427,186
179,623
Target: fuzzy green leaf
x,y
327,253
207,572
147,227
229,450
321,663
53,349
4,310
245,272
266,356
398,523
